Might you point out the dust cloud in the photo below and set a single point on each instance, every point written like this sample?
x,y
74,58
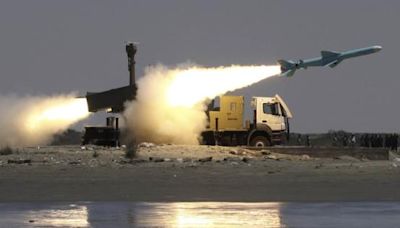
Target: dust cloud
x,y
33,120
170,103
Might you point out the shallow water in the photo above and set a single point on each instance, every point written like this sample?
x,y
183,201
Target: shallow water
x,y
200,214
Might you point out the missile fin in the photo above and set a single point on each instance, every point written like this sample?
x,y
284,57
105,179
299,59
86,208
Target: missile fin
x,y
289,73
288,67
287,64
328,54
334,63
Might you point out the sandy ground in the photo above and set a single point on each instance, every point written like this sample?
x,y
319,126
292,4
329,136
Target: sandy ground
x,y
191,173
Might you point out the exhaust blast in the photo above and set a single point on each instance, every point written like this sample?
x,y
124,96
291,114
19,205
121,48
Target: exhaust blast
x,y
29,121
170,103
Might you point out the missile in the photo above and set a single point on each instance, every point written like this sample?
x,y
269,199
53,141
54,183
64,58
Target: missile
x,y
328,58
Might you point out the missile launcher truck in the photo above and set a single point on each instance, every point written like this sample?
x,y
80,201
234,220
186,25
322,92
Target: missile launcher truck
x,y
270,124
113,102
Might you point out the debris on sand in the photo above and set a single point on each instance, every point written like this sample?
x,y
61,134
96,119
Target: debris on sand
x,y
272,157
232,159
74,163
318,166
233,152
174,155
206,159
156,159
131,161
265,152
396,162
21,161
305,157
239,151
347,158
146,145
95,154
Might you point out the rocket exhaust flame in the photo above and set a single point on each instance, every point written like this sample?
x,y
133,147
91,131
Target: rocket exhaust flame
x,y
28,121
170,102
65,113
196,84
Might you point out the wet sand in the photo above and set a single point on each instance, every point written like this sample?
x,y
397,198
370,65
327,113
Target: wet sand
x,y
176,174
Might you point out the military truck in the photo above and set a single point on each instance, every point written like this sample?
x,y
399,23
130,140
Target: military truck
x,y
270,124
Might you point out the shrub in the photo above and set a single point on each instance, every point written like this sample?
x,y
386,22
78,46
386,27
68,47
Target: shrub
x,y
6,150
130,151
95,154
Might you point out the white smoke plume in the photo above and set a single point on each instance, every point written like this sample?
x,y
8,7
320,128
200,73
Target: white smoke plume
x,y
169,106
31,121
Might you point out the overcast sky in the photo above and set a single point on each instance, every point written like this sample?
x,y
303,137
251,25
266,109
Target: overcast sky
x,y
50,47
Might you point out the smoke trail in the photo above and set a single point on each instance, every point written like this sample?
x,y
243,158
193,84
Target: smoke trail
x,y
170,102
28,121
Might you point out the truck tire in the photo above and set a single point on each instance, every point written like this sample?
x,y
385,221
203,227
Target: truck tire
x,y
260,141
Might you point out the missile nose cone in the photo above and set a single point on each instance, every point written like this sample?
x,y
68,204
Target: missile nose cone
x,y
377,48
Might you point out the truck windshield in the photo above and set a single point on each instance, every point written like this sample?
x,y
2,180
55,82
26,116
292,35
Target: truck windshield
x,y
271,109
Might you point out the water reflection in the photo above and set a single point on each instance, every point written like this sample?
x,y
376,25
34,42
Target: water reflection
x,y
118,214
215,214
43,215
72,216
200,214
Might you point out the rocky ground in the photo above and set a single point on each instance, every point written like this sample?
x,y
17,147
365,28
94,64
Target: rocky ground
x,y
191,173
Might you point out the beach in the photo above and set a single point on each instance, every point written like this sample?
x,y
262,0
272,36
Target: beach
x,y
170,173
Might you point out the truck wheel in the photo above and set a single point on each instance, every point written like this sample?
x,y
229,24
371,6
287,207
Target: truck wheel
x,y
260,141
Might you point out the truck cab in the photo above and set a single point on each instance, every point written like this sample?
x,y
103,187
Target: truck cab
x,y
270,124
273,114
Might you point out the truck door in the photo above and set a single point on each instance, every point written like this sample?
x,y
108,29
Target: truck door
x,y
270,113
284,108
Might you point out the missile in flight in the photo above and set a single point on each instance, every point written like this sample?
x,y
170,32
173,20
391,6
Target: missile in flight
x,y
328,58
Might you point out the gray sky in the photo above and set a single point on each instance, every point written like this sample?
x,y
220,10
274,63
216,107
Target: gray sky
x,y
49,47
